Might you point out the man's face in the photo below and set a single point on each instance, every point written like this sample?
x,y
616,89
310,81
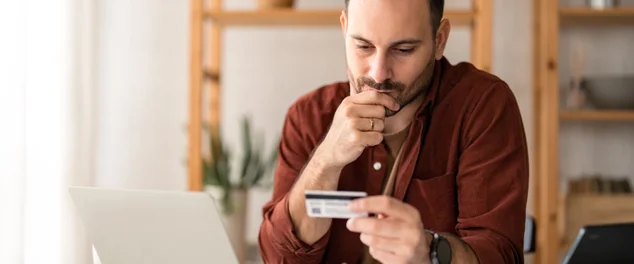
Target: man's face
x,y
389,48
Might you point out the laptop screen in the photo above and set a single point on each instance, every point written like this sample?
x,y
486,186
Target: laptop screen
x,y
612,244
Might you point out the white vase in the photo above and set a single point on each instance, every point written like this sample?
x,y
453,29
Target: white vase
x,y
235,221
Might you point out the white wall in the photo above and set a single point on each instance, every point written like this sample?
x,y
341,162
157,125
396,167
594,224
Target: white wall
x,y
512,59
141,98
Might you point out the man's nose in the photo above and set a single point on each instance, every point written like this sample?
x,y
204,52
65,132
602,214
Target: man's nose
x,y
380,69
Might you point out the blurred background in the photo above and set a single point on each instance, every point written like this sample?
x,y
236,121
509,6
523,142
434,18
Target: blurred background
x,y
138,94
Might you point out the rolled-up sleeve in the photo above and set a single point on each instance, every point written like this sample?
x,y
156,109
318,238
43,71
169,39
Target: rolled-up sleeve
x,y
277,237
278,241
493,178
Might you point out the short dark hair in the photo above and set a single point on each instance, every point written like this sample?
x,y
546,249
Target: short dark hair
x,y
436,8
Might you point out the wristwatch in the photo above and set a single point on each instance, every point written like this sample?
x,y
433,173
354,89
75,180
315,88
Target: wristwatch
x,y
440,249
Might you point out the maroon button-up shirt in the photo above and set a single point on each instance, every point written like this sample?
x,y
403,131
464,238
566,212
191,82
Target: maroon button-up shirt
x,y
464,167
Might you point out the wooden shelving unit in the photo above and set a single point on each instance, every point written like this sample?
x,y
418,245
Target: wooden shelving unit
x,y
479,19
549,19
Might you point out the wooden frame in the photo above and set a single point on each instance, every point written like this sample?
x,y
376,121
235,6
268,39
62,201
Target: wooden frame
x,y
597,115
545,178
304,17
550,205
481,36
479,19
194,128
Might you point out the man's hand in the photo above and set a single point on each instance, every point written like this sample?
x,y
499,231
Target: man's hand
x,y
357,124
397,235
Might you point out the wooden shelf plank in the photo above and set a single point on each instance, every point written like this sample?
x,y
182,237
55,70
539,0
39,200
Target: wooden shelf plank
x,y
590,12
579,15
293,17
598,115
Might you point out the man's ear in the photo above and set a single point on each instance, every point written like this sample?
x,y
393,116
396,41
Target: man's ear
x,y
344,22
441,38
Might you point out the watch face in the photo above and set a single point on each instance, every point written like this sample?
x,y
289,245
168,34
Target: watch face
x,y
444,251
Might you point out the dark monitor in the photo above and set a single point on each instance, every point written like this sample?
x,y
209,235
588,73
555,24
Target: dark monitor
x,y
613,243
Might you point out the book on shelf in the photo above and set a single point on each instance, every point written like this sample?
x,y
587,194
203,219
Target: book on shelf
x,y
599,185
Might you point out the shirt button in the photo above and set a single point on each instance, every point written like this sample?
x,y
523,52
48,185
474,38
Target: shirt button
x,y
377,165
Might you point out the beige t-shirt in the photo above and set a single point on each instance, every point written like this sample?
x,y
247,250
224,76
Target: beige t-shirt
x,y
393,143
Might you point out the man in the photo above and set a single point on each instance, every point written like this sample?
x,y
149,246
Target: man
x,y
439,148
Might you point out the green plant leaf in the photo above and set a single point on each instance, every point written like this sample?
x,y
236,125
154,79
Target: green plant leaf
x,y
247,150
255,167
227,202
272,160
255,162
211,174
225,169
261,169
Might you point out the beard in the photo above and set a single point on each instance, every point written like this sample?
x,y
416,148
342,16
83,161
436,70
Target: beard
x,y
403,94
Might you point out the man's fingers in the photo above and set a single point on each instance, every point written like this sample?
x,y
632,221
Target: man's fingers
x,y
378,227
373,97
385,256
366,139
370,111
383,204
389,245
368,124
366,111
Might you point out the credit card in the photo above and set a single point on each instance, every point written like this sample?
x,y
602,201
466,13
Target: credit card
x,y
332,204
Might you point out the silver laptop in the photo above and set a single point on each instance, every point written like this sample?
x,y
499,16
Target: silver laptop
x,y
157,227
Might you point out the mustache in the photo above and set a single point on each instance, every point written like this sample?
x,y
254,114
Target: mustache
x,y
386,85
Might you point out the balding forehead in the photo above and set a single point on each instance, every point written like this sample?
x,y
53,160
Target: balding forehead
x,y
386,21
431,9
347,2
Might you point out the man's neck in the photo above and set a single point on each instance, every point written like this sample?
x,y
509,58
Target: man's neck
x,y
403,118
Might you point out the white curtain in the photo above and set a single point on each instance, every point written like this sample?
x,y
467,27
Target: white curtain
x,y
45,129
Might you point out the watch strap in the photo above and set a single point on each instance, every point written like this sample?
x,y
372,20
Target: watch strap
x,y
433,247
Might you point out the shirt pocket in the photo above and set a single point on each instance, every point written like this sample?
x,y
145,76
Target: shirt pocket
x,y
436,201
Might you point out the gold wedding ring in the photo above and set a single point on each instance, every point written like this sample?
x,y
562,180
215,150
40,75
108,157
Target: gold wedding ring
x,y
371,124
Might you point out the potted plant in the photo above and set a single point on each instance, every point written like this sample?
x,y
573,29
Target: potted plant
x,y
231,188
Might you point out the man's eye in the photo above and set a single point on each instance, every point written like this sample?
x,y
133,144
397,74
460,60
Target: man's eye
x,y
405,51
363,47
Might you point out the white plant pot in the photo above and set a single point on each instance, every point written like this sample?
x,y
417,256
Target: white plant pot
x,y
234,223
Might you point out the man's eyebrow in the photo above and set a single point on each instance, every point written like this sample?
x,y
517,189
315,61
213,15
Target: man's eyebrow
x,y
360,38
406,41
395,43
